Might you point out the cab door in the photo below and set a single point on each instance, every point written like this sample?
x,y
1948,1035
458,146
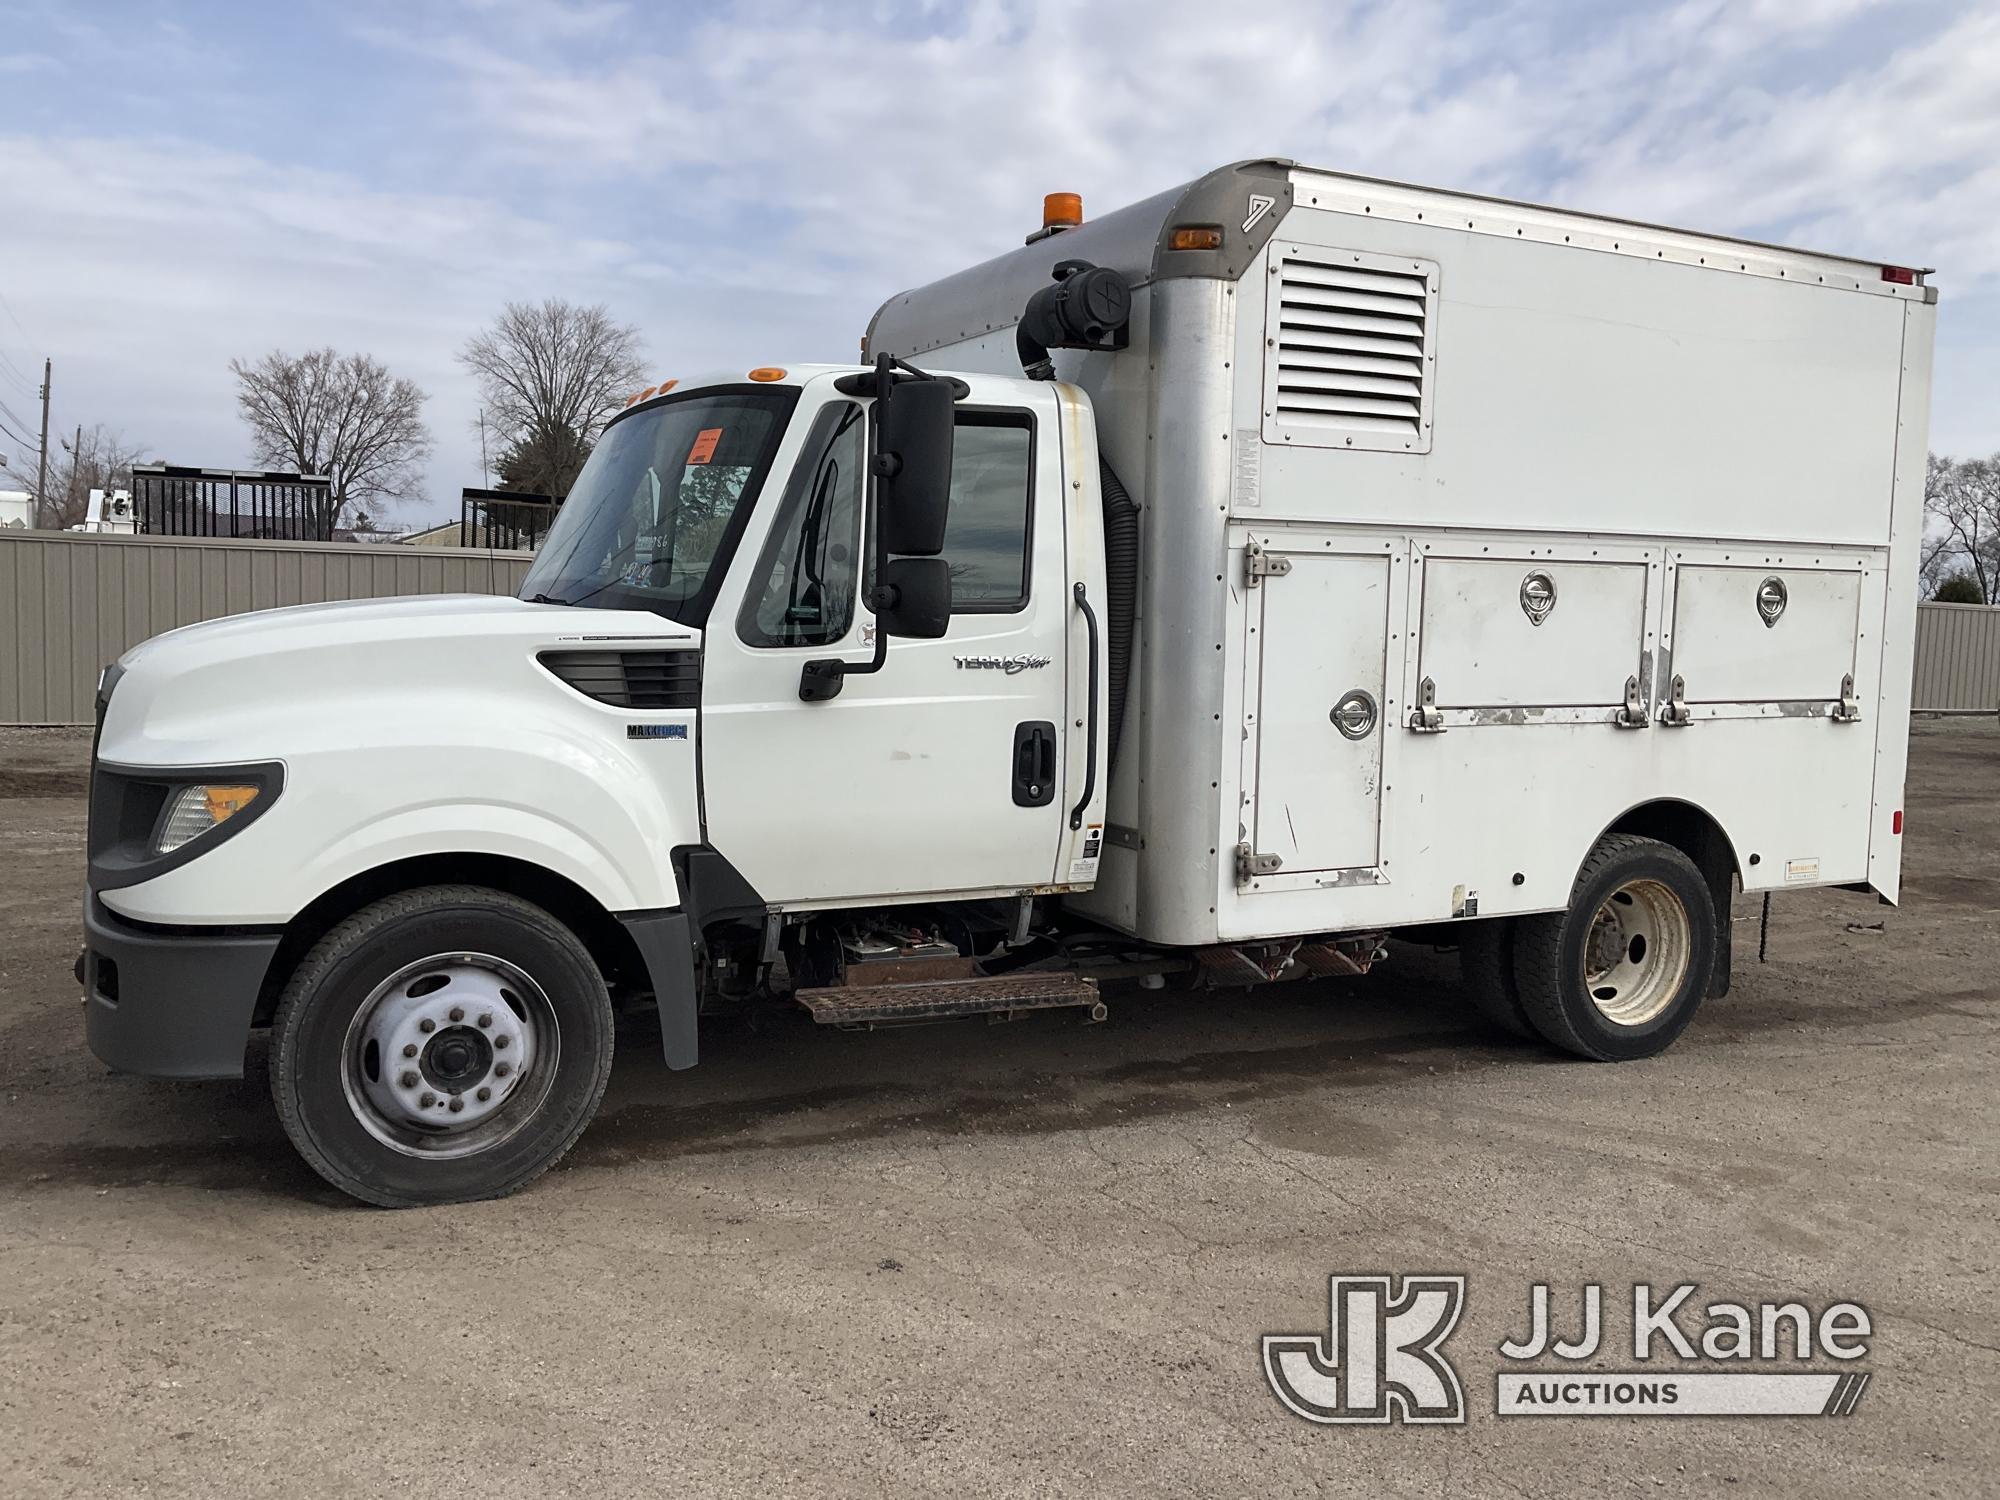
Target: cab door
x,y
944,771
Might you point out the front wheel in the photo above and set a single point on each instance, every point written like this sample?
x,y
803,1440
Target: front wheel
x,y
1621,973
442,1045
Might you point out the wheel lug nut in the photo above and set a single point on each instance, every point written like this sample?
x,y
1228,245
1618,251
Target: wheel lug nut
x,y
500,1042
409,1049
427,1024
458,1013
486,1018
501,1070
484,1095
457,1104
427,1101
409,1080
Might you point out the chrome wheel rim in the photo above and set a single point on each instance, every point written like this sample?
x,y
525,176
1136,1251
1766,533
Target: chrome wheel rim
x,y
1636,952
450,1055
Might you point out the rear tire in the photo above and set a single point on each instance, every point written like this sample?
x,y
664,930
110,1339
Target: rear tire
x,y
1621,973
1486,971
443,1045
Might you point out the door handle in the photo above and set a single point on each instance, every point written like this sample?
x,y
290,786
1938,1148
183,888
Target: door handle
x,y
1034,763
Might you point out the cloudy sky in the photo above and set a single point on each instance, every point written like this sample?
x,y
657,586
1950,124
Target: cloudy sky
x,y
185,183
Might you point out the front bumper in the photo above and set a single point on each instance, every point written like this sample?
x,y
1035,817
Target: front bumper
x,y
170,1003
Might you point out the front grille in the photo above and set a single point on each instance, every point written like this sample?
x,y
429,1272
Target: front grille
x,y
631,679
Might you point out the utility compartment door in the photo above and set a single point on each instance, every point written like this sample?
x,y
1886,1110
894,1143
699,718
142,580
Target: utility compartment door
x,y
1529,631
1318,654
1764,634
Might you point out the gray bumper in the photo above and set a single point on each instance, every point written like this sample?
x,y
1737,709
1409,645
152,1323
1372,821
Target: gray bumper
x,y
170,1004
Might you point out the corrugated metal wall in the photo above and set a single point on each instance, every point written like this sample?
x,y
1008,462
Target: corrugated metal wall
x,y
71,603
1958,659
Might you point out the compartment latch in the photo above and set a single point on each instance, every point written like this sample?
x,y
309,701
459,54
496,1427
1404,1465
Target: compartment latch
x,y
1848,709
1425,718
1633,714
1259,565
1675,715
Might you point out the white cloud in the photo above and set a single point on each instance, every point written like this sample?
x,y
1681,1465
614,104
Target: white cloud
x,y
747,183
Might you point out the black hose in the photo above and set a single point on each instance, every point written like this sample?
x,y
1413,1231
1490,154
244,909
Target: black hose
x,y
1121,593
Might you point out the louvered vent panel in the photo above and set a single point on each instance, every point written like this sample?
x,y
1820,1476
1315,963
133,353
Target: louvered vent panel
x,y
1349,351
631,679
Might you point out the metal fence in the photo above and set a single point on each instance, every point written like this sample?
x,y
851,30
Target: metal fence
x,y
71,603
1958,659
173,500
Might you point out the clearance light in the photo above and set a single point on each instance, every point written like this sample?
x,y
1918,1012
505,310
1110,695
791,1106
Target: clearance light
x,y
1195,237
767,372
1062,210
1896,823
196,809
1901,275
664,386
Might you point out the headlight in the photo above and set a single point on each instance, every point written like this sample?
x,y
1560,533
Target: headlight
x,y
193,810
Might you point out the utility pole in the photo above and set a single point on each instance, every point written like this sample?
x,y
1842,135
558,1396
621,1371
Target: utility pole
x,y
42,467
485,471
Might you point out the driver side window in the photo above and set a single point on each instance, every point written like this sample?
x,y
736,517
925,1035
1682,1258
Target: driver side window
x,y
805,582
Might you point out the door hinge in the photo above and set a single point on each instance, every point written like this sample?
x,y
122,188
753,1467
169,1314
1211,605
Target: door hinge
x,y
1425,718
1633,714
1249,863
1259,565
1675,714
1848,709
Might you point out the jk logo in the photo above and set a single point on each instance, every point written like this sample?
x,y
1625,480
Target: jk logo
x,y
1380,1361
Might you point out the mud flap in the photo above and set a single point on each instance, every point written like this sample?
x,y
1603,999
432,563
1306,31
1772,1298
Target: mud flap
x,y
667,946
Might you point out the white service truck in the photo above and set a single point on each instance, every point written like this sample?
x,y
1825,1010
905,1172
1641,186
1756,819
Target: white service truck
x,y
1210,590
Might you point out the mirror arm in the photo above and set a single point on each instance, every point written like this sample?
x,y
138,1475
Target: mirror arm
x,y
823,677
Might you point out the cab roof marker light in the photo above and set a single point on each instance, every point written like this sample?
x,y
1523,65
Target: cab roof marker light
x,y
767,373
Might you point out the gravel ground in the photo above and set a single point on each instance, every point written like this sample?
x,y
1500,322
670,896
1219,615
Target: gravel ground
x,y
1022,1259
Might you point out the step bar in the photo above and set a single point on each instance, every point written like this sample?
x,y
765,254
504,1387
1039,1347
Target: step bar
x,y
999,995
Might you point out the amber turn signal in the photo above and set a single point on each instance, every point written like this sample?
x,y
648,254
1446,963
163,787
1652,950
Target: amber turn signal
x,y
1195,237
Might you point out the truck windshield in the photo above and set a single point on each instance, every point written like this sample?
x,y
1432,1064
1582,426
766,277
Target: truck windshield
x,y
654,516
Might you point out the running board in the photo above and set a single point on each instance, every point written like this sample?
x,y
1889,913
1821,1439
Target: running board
x,y
945,1000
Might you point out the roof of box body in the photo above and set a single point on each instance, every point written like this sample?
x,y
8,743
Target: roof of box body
x,y
1134,242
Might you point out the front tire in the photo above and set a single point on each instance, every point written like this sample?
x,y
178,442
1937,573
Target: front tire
x,y
1621,973
443,1045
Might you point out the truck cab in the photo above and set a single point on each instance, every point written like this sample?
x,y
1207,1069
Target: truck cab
x,y
728,642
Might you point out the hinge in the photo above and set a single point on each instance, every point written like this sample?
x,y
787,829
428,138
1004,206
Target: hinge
x,y
1633,714
1425,718
1675,714
1848,710
1259,565
1249,863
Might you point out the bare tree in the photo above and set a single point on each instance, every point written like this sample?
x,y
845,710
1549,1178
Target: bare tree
x,y
94,459
552,374
1962,512
345,417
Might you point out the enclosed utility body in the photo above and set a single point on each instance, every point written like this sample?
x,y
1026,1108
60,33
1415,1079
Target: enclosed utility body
x,y
1472,531
1210,590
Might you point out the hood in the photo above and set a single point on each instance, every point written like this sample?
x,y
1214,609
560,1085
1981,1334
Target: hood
x,y
241,688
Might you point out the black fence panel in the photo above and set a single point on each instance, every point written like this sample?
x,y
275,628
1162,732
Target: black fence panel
x,y
173,500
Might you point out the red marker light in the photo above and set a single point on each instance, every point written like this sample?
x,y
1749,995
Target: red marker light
x,y
1901,275
1896,823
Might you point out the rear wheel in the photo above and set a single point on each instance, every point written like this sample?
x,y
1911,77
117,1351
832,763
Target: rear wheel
x,y
439,1046
1486,971
1621,973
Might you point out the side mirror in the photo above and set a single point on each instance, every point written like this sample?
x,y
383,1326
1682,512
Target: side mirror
x,y
915,598
913,466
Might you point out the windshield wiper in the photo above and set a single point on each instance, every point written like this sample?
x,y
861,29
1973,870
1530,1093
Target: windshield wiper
x,y
546,599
